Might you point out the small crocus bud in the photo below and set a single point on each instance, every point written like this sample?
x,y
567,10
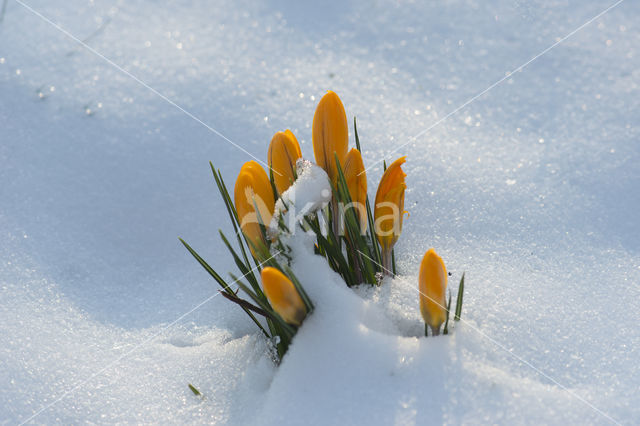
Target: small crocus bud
x,y
356,179
330,134
283,296
389,210
253,189
292,136
433,285
283,153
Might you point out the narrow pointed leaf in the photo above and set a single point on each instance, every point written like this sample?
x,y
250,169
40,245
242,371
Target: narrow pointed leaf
x,y
459,299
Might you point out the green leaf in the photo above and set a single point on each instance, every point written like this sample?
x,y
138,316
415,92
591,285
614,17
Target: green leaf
x,y
245,269
459,299
233,214
206,266
334,255
273,184
393,261
355,239
355,131
220,281
374,240
446,321
371,225
195,391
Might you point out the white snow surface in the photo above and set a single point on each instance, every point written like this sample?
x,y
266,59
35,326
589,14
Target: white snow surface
x,y
310,193
531,189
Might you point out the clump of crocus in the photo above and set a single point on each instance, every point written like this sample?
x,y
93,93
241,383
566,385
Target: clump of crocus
x,y
432,286
389,210
357,255
253,191
283,296
330,134
283,153
356,179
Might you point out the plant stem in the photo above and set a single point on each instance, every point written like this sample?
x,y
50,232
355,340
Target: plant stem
x,y
335,220
387,263
356,265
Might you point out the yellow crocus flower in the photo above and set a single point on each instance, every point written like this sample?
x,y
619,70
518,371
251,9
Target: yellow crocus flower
x,y
389,210
356,178
283,153
292,136
433,285
283,296
253,189
330,134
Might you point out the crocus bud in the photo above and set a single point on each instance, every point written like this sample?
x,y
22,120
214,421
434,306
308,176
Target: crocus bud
x,y
292,136
389,210
283,296
433,285
253,189
356,179
283,153
330,134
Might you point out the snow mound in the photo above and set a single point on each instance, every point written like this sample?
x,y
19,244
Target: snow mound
x,y
310,192
531,189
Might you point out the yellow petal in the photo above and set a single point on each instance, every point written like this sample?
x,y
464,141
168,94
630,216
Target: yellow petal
x,y
356,179
389,204
283,153
292,136
252,189
330,133
433,285
283,296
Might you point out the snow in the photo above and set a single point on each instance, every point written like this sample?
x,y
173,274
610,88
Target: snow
x,y
531,189
310,193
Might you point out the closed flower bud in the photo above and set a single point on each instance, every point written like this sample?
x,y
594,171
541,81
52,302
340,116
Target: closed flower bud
x,y
283,153
283,296
356,179
433,285
389,209
253,189
293,137
330,134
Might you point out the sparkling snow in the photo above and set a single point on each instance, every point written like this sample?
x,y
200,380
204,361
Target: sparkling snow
x,y
531,189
